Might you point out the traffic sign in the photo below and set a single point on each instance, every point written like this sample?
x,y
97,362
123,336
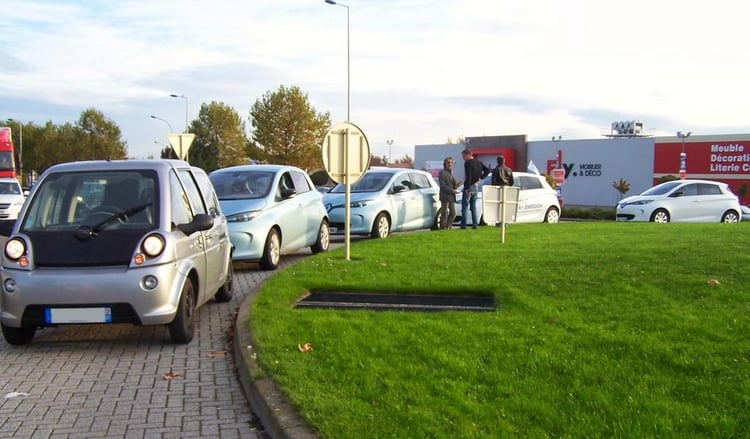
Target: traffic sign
x,y
346,153
181,144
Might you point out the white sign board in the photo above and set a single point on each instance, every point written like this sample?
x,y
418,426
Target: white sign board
x,y
499,205
346,153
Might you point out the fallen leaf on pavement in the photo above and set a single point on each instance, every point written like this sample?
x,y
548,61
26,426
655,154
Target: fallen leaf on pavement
x,y
170,375
219,354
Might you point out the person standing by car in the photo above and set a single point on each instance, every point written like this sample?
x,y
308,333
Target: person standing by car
x,y
448,190
502,175
474,170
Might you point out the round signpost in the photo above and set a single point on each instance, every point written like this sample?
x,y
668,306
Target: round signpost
x,y
346,156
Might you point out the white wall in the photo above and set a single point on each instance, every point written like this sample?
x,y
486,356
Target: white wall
x,y
592,165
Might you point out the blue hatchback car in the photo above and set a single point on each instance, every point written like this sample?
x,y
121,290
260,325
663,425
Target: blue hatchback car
x,y
272,210
385,200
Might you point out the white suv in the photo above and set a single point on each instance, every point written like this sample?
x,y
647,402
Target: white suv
x,y
11,198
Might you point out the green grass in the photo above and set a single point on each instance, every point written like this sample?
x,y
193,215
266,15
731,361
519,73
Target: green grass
x,y
603,330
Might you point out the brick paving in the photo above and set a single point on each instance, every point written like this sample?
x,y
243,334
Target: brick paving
x,y
98,381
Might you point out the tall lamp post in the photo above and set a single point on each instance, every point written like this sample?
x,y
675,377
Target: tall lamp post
x,y
20,148
163,120
348,59
186,108
389,142
683,156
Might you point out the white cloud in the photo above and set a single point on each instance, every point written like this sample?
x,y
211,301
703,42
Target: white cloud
x,y
421,70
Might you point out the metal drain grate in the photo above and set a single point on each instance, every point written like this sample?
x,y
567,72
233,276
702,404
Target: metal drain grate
x,y
403,302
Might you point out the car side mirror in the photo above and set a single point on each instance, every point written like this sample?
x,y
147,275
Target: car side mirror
x,y
676,194
201,221
288,193
398,188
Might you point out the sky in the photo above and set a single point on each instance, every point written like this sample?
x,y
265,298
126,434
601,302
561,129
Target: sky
x,y
420,71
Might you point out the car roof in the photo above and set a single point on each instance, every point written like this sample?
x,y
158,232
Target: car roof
x,y
266,167
384,170
8,180
118,165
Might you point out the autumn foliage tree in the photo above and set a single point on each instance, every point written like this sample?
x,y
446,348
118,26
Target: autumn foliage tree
x,y
220,139
287,129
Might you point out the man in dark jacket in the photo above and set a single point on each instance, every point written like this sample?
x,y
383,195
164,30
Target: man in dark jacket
x,y
474,170
502,175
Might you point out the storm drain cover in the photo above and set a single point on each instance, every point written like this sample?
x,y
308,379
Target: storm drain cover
x,y
404,302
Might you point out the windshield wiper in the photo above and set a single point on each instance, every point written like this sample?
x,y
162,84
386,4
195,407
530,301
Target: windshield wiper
x,y
86,232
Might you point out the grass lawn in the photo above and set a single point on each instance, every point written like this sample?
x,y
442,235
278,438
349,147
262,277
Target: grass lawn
x,y
602,329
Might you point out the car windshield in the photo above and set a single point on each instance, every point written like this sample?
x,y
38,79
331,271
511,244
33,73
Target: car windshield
x,y
9,188
107,199
370,182
239,185
662,188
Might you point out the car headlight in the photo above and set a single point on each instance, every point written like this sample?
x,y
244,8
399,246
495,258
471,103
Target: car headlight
x,y
636,203
153,245
15,248
358,204
243,217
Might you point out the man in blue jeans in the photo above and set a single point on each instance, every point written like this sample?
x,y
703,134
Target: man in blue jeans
x,y
474,170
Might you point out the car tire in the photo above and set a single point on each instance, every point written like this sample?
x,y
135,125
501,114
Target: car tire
x,y
660,216
552,216
18,336
226,291
381,228
182,328
271,251
324,239
730,216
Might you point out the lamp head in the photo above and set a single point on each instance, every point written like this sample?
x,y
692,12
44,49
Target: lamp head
x,y
330,2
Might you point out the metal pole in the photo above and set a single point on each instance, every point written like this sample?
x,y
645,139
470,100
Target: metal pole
x,y
171,130
389,142
186,108
348,60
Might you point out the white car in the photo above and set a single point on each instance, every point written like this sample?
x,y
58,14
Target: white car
x,y
537,200
682,201
11,198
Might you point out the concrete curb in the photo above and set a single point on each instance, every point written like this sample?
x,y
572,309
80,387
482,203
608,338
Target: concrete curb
x,y
279,418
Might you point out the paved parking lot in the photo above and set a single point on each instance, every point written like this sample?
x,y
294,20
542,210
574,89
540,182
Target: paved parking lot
x,y
114,381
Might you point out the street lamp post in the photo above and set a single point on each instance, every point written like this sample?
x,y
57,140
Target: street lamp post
x,y
186,108
20,148
348,59
389,142
683,156
163,120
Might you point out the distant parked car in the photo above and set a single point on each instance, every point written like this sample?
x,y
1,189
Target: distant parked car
x,y
272,210
537,201
11,198
123,241
385,200
683,201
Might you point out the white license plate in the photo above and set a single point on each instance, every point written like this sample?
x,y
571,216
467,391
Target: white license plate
x,y
333,230
78,315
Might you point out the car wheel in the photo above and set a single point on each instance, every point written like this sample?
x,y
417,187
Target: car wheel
x,y
18,336
183,326
730,216
552,216
382,226
271,252
324,239
660,216
226,291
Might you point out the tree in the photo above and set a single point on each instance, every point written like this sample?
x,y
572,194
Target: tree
x,y
220,139
459,139
287,129
99,138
